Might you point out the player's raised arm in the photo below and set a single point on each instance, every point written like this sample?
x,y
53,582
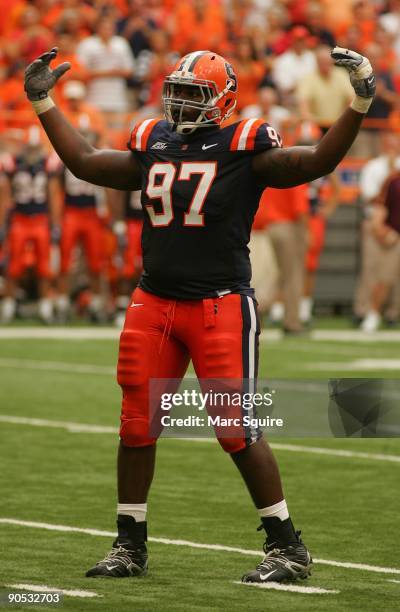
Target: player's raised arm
x,y
283,168
116,169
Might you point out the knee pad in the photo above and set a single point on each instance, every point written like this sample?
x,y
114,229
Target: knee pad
x,y
232,445
134,432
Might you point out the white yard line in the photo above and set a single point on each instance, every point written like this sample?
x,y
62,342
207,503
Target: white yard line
x,y
189,544
60,333
293,588
110,333
103,429
396,581
57,366
356,364
43,588
67,425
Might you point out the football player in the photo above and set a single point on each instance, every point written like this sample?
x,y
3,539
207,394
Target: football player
x,y
127,214
81,224
29,193
201,184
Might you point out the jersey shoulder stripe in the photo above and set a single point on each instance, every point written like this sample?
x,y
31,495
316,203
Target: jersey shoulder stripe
x,y
141,133
245,134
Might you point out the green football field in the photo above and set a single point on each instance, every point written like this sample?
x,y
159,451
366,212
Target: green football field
x,y
59,410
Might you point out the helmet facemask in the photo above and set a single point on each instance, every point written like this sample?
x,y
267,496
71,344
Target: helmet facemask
x,y
189,114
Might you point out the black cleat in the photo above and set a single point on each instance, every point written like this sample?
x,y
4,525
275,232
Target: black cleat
x,y
122,561
282,564
128,556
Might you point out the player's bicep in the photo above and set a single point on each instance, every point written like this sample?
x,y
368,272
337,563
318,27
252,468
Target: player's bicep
x,y
282,168
115,169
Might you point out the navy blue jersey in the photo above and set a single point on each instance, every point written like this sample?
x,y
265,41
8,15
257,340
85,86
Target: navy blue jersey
x,y
200,195
133,205
29,183
79,193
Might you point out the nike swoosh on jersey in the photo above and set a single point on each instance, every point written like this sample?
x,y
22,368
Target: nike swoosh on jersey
x,y
133,305
205,147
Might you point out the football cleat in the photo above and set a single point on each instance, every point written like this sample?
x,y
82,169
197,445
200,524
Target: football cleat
x,y
282,564
123,561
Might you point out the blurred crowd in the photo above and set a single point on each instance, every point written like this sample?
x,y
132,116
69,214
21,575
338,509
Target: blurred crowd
x,y
120,52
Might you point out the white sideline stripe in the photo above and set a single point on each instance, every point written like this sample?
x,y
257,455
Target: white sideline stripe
x,y
112,333
217,547
390,580
60,333
57,366
298,448
276,586
335,452
356,364
69,426
42,588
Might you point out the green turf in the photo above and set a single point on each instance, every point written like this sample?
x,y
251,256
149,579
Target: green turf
x,y
345,506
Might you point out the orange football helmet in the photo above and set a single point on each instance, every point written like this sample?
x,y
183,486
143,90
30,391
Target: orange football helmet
x,y
213,97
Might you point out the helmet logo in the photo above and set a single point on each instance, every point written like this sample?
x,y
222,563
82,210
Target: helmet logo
x,y
232,77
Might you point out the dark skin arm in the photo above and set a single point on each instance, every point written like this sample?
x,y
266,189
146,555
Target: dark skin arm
x,y
107,168
282,168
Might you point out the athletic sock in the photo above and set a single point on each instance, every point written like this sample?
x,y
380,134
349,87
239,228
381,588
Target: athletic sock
x,y
278,525
137,511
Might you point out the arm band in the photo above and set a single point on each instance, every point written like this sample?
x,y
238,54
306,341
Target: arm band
x,y
361,105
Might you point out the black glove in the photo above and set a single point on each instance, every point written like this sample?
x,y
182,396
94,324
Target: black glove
x,y
40,78
55,234
361,72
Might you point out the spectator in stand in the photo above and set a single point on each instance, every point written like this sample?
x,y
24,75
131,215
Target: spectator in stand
x,y
30,38
268,108
161,62
364,15
324,93
318,25
338,14
199,24
372,178
68,9
137,27
67,53
385,100
249,70
82,115
277,36
109,62
17,113
295,63
385,226
390,21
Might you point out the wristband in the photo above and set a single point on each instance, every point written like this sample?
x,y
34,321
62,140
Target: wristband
x,y
361,105
41,106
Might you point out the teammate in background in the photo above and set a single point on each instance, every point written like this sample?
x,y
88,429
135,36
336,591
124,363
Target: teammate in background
x,y
127,215
31,198
81,225
201,186
320,210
